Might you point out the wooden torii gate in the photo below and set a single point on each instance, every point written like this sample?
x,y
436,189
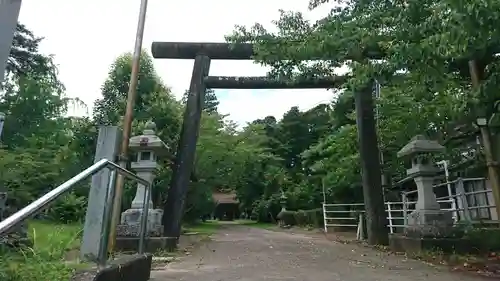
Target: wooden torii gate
x,y
203,53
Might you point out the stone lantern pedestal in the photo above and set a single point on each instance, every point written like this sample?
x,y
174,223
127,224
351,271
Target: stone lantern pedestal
x,y
428,227
428,219
148,148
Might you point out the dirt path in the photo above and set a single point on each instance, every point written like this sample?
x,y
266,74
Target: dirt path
x,y
252,254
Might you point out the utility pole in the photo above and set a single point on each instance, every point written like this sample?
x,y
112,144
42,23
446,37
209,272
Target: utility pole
x,y
127,122
9,14
482,123
376,92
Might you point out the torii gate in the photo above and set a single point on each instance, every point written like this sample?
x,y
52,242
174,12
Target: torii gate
x,y
203,53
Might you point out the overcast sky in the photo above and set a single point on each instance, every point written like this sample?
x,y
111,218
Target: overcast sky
x,y
87,36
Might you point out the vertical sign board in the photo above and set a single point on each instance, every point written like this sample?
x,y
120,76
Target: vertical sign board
x,y
9,13
108,142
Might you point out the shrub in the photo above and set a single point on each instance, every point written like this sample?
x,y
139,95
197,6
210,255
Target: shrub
x,y
312,217
68,209
287,217
484,239
315,217
266,210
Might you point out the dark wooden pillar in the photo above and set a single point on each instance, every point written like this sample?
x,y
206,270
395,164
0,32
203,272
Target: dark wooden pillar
x,y
184,161
376,218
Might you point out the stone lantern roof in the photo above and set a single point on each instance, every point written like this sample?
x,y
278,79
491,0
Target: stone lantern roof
x,y
148,141
419,144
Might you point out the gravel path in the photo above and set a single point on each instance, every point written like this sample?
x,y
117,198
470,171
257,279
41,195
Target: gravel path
x,y
252,254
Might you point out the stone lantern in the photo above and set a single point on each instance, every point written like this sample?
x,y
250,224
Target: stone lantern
x,y
428,219
283,200
148,148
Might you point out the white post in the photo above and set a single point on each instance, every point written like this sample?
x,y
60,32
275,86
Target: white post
x,y
389,217
405,209
462,196
324,218
444,163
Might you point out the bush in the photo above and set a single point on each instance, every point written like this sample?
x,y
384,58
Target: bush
x,y
484,239
312,217
288,217
68,209
266,210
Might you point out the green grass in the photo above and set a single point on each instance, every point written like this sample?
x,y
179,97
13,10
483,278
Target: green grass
x,y
47,259
54,238
256,224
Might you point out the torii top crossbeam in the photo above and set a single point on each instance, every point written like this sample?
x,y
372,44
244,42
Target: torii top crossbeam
x,y
239,51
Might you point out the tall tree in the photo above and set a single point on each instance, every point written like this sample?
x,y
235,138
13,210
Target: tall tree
x,y
111,107
24,56
211,102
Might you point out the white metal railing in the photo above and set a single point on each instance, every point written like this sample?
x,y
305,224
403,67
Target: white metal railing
x,y
36,206
350,214
397,212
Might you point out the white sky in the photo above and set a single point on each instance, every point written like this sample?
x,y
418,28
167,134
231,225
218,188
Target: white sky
x,y
87,36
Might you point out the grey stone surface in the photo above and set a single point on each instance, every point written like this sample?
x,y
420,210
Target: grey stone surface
x,y
107,148
9,13
252,254
124,268
420,144
429,223
131,221
127,230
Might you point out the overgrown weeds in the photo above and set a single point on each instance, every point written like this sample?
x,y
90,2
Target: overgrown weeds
x,y
47,260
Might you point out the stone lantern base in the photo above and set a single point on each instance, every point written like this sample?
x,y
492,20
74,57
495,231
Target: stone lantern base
x,y
429,223
130,225
129,229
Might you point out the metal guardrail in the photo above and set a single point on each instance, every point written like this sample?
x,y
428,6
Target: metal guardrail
x,y
7,224
354,211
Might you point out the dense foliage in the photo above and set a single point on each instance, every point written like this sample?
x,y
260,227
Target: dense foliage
x,y
417,50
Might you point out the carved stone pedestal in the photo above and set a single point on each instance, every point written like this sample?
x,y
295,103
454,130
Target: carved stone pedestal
x,y
429,223
131,222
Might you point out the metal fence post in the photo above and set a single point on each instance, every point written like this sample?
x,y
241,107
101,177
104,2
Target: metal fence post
x,y
324,217
389,217
106,224
405,209
144,219
2,120
463,200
